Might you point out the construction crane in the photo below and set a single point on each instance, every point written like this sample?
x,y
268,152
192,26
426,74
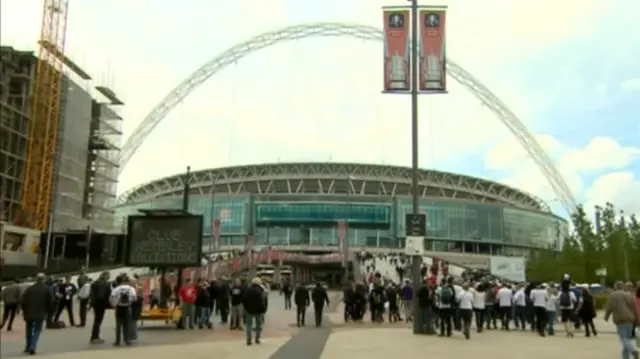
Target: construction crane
x,y
45,116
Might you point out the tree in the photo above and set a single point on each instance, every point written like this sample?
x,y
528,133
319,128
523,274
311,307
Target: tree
x,y
611,242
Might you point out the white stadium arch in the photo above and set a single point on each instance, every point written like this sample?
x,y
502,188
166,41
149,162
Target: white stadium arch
x,y
362,32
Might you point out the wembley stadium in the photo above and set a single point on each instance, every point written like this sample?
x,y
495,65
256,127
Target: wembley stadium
x,y
298,205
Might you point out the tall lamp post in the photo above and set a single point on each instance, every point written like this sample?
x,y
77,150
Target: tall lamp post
x,y
416,260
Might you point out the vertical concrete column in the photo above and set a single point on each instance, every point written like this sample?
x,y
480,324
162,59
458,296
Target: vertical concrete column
x,y
295,274
277,274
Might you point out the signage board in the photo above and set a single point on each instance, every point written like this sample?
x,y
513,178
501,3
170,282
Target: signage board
x,y
510,268
169,241
416,224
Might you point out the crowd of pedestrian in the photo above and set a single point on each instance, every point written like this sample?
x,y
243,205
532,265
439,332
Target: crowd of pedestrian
x,y
476,299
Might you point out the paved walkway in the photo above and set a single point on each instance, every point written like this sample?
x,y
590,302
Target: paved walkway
x,y
278,325
284,341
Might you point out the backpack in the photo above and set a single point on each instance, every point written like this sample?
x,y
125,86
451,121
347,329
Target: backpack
x,y
124,299
565,300
447,295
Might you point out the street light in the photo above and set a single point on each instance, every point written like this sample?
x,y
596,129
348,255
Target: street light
x,y
416,260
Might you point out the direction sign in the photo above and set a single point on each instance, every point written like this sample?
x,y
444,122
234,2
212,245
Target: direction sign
x,y
416,224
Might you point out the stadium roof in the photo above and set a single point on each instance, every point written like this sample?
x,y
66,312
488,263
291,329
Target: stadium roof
x,y
333,179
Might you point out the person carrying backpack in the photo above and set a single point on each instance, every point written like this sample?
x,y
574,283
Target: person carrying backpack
x,y
566,302
446,298
122,296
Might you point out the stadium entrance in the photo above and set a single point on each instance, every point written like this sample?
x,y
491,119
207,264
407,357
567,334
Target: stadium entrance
x,y
315,224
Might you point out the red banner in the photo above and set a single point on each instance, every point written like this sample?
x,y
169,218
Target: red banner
x,y
248,243
433,61
216,234
342,233
397,54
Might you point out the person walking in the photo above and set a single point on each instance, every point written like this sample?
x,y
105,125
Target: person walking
x,y
302,299
187,295
406,293
237,293
622,307
99,298
11,299
319,297
254,309
552,310
121,298
37,303
587,311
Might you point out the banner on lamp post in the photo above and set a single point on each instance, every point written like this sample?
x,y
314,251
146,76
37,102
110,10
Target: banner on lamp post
x,y
248,249
397,50
216,234
432,50
342,243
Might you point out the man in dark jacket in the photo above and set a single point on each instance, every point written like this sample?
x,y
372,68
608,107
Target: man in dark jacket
x,y
99,297
360,301
287,291
66,292
203,305
302,300
37,302
319,297
11,298
349,298
377,298
236,305
213,294
425,298
222,300
254,309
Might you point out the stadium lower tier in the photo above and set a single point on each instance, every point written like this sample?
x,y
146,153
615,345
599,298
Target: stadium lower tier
x,y
451,225
384,246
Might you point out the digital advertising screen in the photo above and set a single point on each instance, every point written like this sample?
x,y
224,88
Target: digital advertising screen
x,y
164,241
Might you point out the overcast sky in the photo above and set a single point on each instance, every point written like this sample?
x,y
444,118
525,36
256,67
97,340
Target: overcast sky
x,y
569,70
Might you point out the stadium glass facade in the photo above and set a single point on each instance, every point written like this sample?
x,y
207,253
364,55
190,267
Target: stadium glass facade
x,y
452,225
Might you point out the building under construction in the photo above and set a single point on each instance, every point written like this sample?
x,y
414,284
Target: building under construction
x,y
87,148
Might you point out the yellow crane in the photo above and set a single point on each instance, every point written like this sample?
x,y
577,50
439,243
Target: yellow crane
x,y
45,116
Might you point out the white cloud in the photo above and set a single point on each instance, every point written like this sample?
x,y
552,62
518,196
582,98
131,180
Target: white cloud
x,y
305,100
599,155
631,84
620,188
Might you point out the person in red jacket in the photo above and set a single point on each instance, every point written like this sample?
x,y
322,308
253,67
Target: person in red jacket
x,y
187,295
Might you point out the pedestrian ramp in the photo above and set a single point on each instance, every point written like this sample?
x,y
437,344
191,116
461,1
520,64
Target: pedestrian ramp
x,y
386,266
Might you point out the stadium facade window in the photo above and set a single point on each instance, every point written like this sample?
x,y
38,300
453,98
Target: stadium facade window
x,y
230,210
451,225
353,213
304,235
455,220
533,229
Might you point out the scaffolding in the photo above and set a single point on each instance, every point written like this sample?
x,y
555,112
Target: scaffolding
x,y
103,164
72,156
16,77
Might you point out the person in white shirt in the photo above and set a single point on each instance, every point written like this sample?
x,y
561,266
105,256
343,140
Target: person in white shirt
x,y
520,304
465,299
567,303
479,297
121,298
539,297
552,310
505,301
